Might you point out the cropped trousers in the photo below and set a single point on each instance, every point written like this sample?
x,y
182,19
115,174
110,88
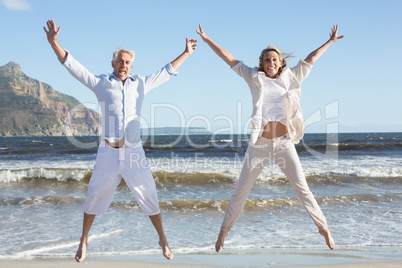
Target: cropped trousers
x,y
283,152
111,165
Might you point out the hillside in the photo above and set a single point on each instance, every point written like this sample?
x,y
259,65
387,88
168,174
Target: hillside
x,y
29,107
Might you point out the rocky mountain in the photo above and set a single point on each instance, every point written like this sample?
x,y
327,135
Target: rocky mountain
x,y
29,107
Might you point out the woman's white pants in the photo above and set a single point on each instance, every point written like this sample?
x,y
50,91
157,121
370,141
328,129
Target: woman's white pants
x,y
283,152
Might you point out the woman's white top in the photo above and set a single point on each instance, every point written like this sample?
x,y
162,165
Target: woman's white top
x,y
290,78
275,102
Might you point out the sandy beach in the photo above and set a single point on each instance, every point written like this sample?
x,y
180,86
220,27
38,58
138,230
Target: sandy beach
x,y
132,264
296,257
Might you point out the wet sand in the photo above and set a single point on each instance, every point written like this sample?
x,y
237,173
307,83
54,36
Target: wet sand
x,y
342,258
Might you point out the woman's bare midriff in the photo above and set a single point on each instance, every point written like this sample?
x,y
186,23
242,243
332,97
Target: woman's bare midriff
x,y
274,130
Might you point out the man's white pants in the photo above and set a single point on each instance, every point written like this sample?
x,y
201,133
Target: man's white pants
x,y
111,165
284,153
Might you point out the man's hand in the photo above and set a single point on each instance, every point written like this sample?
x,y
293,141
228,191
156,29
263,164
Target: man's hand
x,y
190,46
52,33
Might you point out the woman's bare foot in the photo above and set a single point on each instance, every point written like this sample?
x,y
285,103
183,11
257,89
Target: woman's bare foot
x,y
81,252
220,241
328,238
165,249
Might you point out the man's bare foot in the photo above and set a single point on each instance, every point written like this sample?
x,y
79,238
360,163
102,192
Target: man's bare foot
x,y
81,252
165,249
328,238
220,241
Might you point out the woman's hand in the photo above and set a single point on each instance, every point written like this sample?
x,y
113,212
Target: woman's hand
x,y
202,34
333,35
222,53
316,54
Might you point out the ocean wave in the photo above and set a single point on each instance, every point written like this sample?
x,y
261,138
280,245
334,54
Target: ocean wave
x,y
41,175
207,179
382,176
350,178
47,150
344,146
204,205
241,146
256,204
45,174
41,201
198,178
385,175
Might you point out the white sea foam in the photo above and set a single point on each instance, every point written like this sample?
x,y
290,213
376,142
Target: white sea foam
x,y
366,168
8,176
52,247
53,163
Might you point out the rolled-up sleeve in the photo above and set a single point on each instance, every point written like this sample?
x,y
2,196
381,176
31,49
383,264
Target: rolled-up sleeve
x,y
241,69
158,78
301,70
171,70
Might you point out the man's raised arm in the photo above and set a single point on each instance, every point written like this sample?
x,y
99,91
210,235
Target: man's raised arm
x,y
52,35
190,47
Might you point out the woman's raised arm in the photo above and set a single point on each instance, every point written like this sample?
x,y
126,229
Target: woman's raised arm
x,y
222,53
316,54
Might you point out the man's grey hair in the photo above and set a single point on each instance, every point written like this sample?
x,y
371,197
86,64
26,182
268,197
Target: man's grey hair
x,y
120,50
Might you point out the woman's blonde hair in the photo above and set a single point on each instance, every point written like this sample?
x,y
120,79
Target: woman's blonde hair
x,y
282,58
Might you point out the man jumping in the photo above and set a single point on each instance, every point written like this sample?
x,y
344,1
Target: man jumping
x,y
120,153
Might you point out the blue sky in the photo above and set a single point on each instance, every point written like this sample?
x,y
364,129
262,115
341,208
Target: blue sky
x,y
353,87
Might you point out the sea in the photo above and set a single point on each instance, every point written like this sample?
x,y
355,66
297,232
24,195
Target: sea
x,y
355,177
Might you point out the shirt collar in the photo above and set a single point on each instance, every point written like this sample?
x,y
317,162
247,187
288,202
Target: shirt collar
x,y
113,76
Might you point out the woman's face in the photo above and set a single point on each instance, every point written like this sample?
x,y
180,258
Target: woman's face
x,y
271,63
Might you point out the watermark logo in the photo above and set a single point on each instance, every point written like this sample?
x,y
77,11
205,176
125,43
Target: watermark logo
x,y
326,149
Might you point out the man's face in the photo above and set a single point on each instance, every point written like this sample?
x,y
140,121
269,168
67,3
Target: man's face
x,y
122,66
